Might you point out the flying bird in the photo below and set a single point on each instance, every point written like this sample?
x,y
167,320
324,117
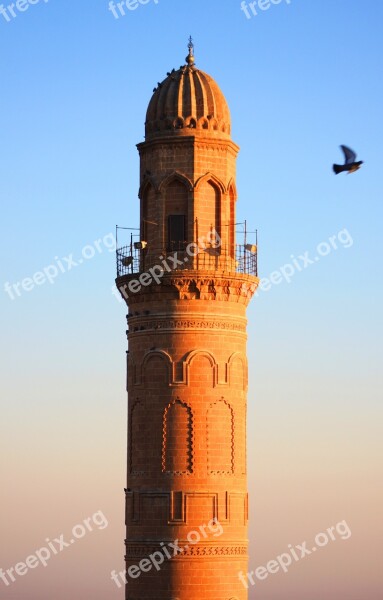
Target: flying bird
x,y
350,163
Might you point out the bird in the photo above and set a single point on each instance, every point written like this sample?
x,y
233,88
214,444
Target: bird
x,y
350,164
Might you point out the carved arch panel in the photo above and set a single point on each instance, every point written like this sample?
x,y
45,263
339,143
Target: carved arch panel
x,y
220,438
237,367
177,441
157,369
138,460
201,369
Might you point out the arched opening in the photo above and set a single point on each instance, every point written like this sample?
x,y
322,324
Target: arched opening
x,y
203,123
149,217
208,208
176,205
231,228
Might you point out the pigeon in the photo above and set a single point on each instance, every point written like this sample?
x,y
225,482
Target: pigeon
x,y
350,164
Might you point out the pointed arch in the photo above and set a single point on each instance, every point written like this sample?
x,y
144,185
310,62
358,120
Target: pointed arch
x,y
175,176
148,181
213,179
231,186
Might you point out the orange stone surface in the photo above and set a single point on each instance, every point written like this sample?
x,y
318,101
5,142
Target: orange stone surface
x,y
187,364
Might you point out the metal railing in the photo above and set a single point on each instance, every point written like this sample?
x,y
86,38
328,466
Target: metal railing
x,y
189,257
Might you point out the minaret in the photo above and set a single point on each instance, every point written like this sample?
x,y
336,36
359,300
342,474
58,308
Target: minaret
x,y
187,284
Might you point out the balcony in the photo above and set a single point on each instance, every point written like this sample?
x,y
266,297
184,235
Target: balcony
x,y
187,256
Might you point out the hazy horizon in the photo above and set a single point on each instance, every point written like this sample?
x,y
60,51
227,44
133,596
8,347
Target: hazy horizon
x,y
300,79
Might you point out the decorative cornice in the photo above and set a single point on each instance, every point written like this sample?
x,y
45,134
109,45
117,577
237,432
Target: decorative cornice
x,y
173,143
211,287
196,285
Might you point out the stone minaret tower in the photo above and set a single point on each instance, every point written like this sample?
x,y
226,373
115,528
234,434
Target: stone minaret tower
x,y
187,285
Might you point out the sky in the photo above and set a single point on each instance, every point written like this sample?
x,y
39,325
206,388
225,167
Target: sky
x,y
300,78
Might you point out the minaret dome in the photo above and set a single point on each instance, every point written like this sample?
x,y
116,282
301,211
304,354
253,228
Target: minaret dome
x,y
187,102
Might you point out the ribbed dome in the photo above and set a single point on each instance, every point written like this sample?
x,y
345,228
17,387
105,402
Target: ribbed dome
x,y
187,102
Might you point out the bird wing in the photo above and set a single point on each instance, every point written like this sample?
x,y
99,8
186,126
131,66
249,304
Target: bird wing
x,y
349,155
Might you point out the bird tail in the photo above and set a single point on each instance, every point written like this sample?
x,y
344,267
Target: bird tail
x,y
337,169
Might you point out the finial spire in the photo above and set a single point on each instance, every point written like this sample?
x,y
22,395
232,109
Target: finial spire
x,y
190,56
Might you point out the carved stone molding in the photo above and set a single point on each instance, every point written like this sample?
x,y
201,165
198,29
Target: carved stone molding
x,y
178,373
163,324
136,550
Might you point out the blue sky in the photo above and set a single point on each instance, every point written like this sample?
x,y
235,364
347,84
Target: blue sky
x,y
300,79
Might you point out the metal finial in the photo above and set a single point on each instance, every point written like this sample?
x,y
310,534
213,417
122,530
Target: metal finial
x,y
190,56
